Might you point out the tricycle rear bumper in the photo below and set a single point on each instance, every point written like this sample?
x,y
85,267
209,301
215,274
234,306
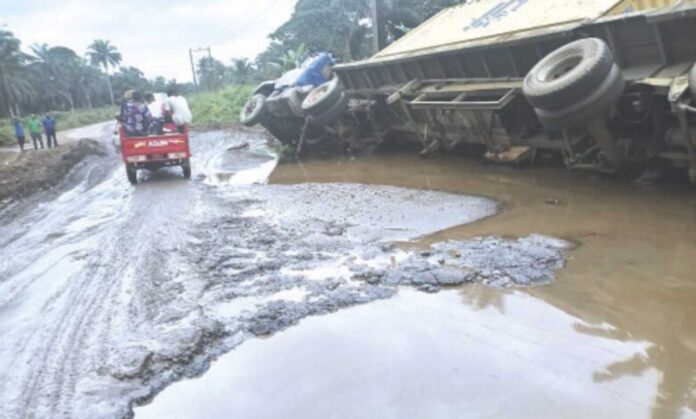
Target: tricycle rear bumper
x,y
157,164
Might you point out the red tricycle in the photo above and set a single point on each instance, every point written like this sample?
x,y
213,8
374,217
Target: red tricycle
x,y
156,151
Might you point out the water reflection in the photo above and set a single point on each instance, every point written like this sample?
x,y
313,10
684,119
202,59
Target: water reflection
x,y
632,279
417,355
481,297
672,352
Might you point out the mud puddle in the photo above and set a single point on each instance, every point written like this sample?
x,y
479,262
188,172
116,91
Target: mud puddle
x,y
613,336
114,292
416,356
631,280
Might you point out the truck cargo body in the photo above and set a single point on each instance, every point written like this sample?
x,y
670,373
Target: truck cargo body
x,y
656,43
458,79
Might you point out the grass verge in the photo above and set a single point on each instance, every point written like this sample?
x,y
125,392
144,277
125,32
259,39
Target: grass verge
x,y
219,109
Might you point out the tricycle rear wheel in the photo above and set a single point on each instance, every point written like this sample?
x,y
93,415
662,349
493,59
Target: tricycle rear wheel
x,y
132,174
186,167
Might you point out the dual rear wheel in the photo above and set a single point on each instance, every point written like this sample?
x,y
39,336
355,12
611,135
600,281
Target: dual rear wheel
x,y
575,85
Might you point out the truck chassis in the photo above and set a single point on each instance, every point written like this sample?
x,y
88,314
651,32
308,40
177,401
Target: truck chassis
x,y
473,95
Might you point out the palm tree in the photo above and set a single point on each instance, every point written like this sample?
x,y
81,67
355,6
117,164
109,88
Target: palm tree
x,y
291,59
211,73
102,53
57,68
14,84
86,79
241,70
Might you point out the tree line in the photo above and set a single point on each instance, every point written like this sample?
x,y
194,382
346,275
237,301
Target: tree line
x,y
342,27
52,78
58,78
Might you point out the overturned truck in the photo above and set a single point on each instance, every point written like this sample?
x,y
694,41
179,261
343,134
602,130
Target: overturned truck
x,y
606,84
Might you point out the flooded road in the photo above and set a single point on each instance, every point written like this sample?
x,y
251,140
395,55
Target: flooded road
x,y
575,300
632,279
613,336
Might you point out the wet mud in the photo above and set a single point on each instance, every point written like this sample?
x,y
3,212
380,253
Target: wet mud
x,y
113,292
575,288
631,280
30,172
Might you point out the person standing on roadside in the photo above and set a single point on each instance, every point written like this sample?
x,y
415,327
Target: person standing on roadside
x,y
179,108
19,133
49,125
35,131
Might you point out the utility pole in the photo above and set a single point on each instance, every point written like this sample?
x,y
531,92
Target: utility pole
x,y
375,27
193,66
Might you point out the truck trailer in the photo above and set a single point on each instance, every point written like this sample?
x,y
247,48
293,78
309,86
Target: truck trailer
x,y
608,85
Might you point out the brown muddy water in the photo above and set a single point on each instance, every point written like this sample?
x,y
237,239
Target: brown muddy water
x,y
613,336
635,268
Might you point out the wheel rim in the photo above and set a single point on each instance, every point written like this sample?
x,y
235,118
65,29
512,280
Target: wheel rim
x,y
251,106
316,95
559,69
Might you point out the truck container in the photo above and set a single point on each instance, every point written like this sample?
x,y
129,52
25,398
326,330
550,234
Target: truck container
x,y
608,85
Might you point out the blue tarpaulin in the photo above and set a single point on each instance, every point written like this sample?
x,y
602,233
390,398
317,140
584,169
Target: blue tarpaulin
x,y
310,74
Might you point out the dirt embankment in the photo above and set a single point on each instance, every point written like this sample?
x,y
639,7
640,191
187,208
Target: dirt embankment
x,y
22,174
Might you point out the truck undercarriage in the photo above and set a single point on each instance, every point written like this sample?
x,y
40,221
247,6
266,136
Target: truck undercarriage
x,y
607,93
475,95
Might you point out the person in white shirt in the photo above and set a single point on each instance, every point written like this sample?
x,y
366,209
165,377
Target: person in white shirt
x,y
154,105
179,108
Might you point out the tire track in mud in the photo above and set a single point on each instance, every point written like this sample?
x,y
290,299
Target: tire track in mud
x,y
53,378
55,352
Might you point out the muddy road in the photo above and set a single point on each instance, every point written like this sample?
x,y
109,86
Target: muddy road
x,y
109,293
399,286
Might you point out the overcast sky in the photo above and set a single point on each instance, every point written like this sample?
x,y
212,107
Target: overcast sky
x,y
153,35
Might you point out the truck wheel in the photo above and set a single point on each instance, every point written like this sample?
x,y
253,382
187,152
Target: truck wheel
x,y
322,98
331,114
132,174
186,167
692,82
595,106
295,102
568,73
253,110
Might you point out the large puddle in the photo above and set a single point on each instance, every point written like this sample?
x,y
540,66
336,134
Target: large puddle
x,y
632,279
614,336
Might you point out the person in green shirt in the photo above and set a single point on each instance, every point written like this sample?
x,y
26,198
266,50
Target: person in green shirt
x,y
35,131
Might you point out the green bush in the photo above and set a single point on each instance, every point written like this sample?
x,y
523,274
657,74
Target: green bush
x,y
219,109
65,120
6,132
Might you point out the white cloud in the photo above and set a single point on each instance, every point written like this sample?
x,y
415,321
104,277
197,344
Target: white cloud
x,y
152,35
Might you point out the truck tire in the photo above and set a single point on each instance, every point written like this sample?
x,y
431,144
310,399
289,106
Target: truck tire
x,y
253,111
186,168
331,114
295,102
322,98
132,174
595,106
692,82
568,73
